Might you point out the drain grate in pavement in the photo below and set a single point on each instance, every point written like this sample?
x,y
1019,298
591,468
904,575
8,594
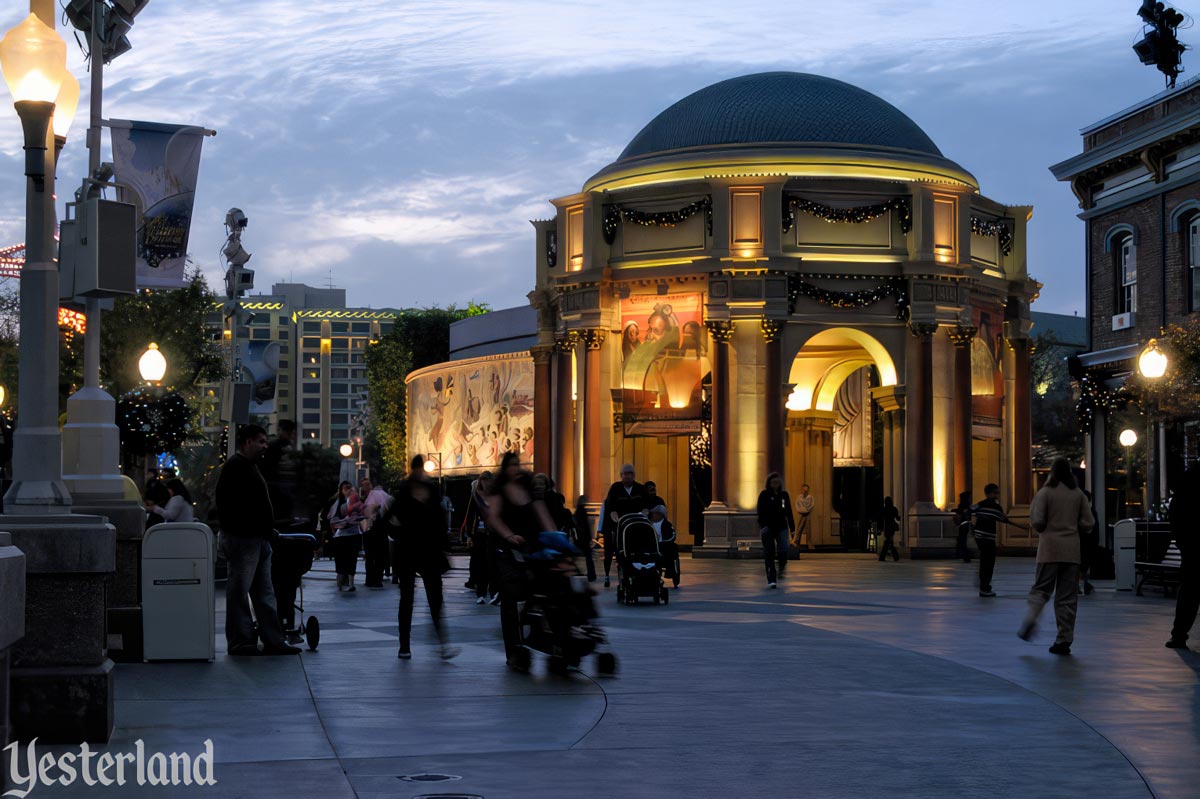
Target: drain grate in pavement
x,y
428,777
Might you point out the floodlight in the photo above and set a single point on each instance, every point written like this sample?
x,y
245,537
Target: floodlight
x,y
234,252
1147,48
235,219
130,8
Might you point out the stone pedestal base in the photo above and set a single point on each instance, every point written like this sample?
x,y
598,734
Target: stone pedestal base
x,y
729,533
12,624
931,532
124,592
61,676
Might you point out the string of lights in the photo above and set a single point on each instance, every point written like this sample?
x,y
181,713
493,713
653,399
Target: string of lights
x,y
890,287
152,420
613,214
1094,397
986,227
863,213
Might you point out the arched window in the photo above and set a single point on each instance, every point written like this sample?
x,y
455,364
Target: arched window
x,y
1192,254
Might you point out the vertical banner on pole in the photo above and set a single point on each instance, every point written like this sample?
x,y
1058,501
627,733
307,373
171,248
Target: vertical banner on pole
x,y
160,164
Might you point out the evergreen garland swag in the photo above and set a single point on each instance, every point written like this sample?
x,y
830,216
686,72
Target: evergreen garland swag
x,y
891,287
858,215
613,214
984,227
153,421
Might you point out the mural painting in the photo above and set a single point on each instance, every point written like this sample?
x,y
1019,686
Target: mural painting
x,y
472,412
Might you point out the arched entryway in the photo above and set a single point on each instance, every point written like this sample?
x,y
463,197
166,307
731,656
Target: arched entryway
x,y
840,440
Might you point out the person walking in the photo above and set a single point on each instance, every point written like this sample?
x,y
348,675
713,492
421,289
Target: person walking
x,y
376,502
1089,548
889,517
479,570
1059,512
775,525
624,496
421,549
985,515
1182,515
805,502
583,536
514,516
962,524
246,516
344,515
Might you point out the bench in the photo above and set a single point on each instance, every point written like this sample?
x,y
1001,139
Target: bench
x,y
1157,560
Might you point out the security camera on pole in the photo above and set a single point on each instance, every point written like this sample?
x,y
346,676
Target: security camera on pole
x,y
235,394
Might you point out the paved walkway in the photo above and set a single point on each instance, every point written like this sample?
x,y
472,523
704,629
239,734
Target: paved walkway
x,y
854,679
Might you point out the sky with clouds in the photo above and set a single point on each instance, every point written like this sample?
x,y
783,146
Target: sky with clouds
x,y
398,148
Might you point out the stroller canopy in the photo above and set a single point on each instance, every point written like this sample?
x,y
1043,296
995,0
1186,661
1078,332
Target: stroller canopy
x,y
637,535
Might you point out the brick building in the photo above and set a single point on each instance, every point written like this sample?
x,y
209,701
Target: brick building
x,y
1138,183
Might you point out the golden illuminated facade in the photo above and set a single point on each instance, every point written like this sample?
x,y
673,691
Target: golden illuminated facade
x,y
782,273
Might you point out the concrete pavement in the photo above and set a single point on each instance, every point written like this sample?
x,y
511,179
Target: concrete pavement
x,y
854,679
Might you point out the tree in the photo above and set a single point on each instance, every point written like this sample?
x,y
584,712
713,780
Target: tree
x,y
1052,405
1174,397
419,338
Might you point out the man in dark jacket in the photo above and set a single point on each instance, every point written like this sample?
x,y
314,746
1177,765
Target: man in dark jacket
x,y
1184,505
247,525
776,524
624,497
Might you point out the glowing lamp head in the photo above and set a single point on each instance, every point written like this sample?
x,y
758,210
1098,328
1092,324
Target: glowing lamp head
x,y
1152,363
65,105
1127,438
430,466
152,364
34,59
3,396
346,450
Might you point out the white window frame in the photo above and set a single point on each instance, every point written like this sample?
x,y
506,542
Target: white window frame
x,y
1193,251
1127,254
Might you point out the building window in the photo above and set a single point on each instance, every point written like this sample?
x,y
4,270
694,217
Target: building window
x,y
313,403
312,327
341,343
339,418
282,392
340,327
312,418
311,388
338,404
1193,256
338,374
361,327
1127,274
283,335
311,343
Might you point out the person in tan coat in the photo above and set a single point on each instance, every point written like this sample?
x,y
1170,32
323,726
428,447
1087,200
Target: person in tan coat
x,y
1059,512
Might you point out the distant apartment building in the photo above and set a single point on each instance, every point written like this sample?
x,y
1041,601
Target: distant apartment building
x,y
304,351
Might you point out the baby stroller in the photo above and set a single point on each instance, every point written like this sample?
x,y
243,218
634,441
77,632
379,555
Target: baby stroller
x,y
559,616
638,561
291,558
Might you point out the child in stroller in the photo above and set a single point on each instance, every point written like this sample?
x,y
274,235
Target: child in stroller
x,y
639,563
559,616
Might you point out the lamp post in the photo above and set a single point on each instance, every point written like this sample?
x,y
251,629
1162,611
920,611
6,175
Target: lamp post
x,y
34,59
152,365
1128,438
346,472
1152,364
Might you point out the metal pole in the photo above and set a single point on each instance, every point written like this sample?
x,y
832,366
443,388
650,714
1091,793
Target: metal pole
x,y
91,339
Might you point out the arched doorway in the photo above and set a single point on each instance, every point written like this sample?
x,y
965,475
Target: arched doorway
x,y
838,440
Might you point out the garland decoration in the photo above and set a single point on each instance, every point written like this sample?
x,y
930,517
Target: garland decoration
x,y
152,420
613,214
1094,397
863,213
986,227
890,287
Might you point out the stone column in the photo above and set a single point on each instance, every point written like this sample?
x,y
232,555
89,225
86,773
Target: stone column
x,y
721,332
1022,454
963,478
923,417
12,624
542,423
564,417
890,400
773,399
593,478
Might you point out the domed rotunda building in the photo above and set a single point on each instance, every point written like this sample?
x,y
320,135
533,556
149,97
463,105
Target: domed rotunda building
x,y
783,273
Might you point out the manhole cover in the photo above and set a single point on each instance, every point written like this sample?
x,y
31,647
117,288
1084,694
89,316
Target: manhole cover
x,y
428,777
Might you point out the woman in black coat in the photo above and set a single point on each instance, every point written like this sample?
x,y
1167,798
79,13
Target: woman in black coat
x,y
421,546
889,516
776,524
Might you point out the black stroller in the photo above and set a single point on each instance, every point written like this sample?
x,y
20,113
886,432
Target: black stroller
x,y
639,563
291,558
558,618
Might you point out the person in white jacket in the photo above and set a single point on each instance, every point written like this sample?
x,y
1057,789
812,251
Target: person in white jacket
x,y
1058,512
179,506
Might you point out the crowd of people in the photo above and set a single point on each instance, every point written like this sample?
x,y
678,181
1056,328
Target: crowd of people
x,y
404,533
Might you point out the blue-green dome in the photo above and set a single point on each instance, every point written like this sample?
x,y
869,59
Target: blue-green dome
x,y
777,108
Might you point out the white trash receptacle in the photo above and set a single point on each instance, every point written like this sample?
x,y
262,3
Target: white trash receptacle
x,y
1125,553
178,610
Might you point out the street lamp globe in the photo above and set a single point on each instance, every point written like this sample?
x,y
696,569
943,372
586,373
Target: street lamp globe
x,y
1127,438
65,105
34,59
152,364
346,449
3,396
430,466
1152,363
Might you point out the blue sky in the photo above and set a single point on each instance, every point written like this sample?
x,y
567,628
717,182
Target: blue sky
x,y
401,146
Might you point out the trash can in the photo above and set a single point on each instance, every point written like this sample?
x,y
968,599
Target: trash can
x,y
1124,553
178,604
